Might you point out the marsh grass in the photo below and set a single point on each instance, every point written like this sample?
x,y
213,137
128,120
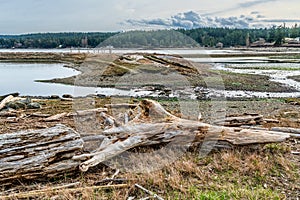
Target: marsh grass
x,y
267,172
232,174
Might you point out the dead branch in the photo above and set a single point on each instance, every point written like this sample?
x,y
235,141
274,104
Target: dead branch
x,y
123,105
149,192
55,117
90,111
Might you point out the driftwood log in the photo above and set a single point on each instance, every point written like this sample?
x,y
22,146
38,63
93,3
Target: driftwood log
x,y
48,152
241,120
151,124
34,154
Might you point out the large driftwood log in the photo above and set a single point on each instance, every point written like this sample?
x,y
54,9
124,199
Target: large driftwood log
x,y
38,153
152,124
46,153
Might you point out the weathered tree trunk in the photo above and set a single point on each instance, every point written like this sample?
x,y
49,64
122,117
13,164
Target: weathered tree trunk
x,y
38,153
152,125
46,153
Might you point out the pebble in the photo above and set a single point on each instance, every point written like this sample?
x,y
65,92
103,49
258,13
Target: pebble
x,y
68,96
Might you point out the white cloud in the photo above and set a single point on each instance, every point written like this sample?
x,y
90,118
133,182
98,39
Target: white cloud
x,y
189,20
19,16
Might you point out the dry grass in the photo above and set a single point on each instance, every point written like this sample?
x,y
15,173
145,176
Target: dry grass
x,y
232,174
268,172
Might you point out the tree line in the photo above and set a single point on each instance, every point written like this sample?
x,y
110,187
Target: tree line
x,y
52,40
237,37
208,37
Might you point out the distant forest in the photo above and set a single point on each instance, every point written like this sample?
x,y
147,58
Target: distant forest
x,y
208,37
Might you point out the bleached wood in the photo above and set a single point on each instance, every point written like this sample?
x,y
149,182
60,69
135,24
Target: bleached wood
x,y
5,101
41,153
48,152
90,111
240,120
55,117
154,125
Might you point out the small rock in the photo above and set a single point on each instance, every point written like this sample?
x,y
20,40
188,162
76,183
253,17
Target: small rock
x,y
54,97
101,95
34,106
167,91
67,96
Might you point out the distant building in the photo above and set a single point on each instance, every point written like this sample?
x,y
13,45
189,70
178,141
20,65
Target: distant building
x,y
220,45
262,43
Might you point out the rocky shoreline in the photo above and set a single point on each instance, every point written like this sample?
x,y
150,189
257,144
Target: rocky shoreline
x,y
155,75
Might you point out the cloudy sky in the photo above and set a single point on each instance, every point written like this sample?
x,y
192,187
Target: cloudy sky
x,y
27,16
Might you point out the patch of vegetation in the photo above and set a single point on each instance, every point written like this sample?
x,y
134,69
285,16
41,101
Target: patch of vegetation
x,y
234,174
265,67
295,78
248,82
266,172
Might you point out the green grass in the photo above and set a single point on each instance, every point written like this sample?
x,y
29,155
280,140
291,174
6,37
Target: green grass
x,y
248,82
267,68
230,193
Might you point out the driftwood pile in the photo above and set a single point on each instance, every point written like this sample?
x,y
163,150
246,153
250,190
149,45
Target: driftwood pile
x,y
49,152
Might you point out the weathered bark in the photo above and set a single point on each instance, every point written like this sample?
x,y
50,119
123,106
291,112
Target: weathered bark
x,y
154,125
49,152
294,132
122,105
89,112
246,119
38,153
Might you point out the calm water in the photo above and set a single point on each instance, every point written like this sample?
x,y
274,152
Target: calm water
x,y
20,77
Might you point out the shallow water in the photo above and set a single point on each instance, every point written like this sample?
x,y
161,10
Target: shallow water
x,y
280,75
20,77
230,60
